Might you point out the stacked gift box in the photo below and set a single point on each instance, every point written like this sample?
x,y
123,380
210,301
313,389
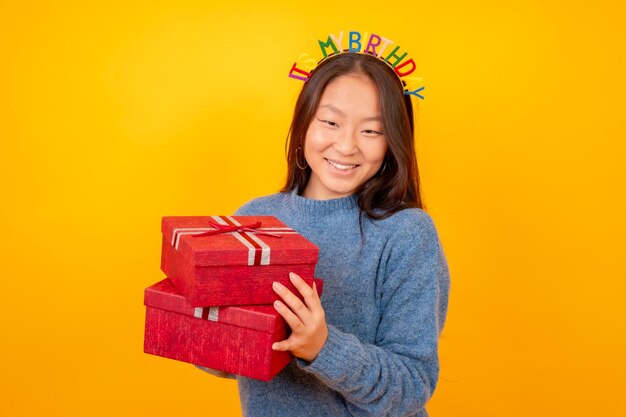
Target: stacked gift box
x,y
214,309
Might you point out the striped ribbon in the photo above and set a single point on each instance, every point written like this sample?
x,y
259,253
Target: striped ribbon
x,y
207,313
258,251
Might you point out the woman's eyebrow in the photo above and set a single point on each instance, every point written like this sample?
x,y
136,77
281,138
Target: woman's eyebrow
x,y
334,109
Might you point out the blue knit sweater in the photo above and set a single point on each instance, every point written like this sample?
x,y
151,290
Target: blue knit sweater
x,y
385,299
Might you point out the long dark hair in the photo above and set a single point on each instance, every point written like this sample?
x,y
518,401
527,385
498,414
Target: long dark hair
x,y
396,186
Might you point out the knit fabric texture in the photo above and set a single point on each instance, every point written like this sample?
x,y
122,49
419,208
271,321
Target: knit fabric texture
x,y
385,300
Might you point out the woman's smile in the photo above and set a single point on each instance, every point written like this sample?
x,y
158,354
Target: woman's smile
x,y
344,167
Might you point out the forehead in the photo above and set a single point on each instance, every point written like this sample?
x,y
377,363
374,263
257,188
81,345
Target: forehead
x,y
351,95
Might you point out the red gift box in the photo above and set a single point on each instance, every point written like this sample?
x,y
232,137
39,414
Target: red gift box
x,y
212,264
234,339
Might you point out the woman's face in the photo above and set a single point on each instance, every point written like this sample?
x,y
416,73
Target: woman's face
x,y
345,144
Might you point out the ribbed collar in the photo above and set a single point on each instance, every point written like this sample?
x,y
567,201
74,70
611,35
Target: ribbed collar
x,y
313,207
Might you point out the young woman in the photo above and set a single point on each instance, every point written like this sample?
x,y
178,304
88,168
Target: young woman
x,y
369,346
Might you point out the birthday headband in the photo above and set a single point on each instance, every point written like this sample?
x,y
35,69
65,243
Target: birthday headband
x,y
376,46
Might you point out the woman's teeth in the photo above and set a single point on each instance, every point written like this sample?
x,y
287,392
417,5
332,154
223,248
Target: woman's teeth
x,y
340,166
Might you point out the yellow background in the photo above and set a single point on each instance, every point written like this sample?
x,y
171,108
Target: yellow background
x,y
116,113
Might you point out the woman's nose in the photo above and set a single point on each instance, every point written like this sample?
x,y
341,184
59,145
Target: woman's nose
x,y
346,142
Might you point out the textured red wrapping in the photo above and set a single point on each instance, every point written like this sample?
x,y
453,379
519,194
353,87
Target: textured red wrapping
x,y
239,342
233,268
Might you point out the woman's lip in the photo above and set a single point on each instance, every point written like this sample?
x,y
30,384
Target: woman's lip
x,y
341,169
341,163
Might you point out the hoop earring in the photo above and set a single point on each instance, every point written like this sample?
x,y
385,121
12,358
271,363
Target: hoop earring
x,y
306,165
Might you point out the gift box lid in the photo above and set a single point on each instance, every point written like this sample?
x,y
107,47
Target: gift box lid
x,y
163,295
271,242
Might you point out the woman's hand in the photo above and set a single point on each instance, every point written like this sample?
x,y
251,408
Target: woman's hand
x,y
307,320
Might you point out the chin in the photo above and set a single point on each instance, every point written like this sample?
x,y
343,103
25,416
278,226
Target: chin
x,y
341,191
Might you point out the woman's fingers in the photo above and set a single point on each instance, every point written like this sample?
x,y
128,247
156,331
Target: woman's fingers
x,y
309,294
306,320
282,346
292,320
294,303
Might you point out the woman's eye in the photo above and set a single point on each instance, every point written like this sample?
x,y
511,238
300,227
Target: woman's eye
x,y
372,132
328,122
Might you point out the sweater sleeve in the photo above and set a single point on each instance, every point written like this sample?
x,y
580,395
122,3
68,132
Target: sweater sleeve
x,y
250,208
215,372
398,373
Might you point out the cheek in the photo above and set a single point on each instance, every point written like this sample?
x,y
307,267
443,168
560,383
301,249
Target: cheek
x,y
376,152
314,141
310,146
